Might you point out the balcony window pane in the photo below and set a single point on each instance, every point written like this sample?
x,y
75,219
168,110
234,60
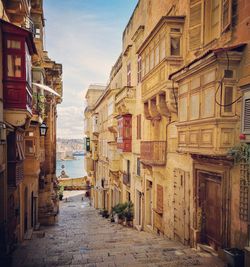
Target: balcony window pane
x,y
14,66
162,49
194,106
151,60
228,99
12,44
175,46
29,147
157,54
183,109
208,105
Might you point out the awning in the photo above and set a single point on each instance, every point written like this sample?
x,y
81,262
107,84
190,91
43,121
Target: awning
x,y
46,88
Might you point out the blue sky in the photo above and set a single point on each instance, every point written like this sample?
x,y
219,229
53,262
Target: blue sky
x,y
86,37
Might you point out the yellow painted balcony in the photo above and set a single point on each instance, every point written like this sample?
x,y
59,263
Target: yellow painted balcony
x,y
153,152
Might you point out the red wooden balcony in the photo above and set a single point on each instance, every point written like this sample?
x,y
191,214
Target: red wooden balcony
x,y
124,139
126,178
15,173
153,152
17,96
124,145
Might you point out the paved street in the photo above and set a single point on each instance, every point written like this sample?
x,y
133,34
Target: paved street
x,y
83,238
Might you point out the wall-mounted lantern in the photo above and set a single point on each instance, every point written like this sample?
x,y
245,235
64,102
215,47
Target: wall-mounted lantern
x,y
43,129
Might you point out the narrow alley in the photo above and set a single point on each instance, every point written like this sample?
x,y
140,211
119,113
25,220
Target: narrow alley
x,y
83,238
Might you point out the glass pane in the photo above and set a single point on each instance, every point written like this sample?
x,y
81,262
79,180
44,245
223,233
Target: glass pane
x,y
151,59
14,66
194,107
183,109
174,46
208,105
183,88
157,52
13,44
29,148
228,99
162,48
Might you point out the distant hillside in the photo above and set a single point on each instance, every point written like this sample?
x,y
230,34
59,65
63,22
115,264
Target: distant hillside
x,y
69,144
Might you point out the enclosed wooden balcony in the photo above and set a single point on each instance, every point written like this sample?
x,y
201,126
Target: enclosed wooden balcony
x,y
17,9
15,173
126,178
153,152
16,96
125,100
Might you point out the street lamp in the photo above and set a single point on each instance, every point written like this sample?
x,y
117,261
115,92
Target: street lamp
x,y
43,129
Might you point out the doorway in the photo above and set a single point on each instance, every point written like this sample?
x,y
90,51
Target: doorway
x,y
149,203
210,205
25,209
138,207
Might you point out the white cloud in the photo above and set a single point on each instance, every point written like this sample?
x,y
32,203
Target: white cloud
x,y
87,44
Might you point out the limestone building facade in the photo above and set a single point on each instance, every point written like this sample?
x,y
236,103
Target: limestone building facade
x,y
30,89
176,117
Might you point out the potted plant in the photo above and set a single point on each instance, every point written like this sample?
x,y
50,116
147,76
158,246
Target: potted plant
x,y
118,212
60,192
129,213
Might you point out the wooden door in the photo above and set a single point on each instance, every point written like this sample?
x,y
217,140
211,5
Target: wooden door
x,y
181,206
178,206
210,202
212,211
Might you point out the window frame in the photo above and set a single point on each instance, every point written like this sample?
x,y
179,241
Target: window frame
x,y
14,52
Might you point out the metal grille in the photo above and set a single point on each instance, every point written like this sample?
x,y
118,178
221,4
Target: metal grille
x,y
244,191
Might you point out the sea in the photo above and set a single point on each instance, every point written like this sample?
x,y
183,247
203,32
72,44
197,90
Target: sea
x,y
73,168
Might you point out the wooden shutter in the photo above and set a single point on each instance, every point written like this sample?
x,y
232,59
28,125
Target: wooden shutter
x,y
246,114
159,202
139,126
226,14
195,24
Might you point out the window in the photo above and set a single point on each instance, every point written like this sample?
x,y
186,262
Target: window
x,y
208,102
194,106
129,74
138,126
175,46
13,44
162,48
147,64
110,106
38,33
138,167
228,99
157,54
14,64
19,147
183,109
226,14
151,60
195,23
211,20
139,69
29,147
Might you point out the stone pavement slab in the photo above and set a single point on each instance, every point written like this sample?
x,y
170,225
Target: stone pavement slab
x,y
83,238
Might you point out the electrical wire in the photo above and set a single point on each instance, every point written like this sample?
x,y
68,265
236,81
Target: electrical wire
x,y
220,86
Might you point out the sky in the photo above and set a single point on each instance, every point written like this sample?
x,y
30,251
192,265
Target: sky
x,y
86,37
